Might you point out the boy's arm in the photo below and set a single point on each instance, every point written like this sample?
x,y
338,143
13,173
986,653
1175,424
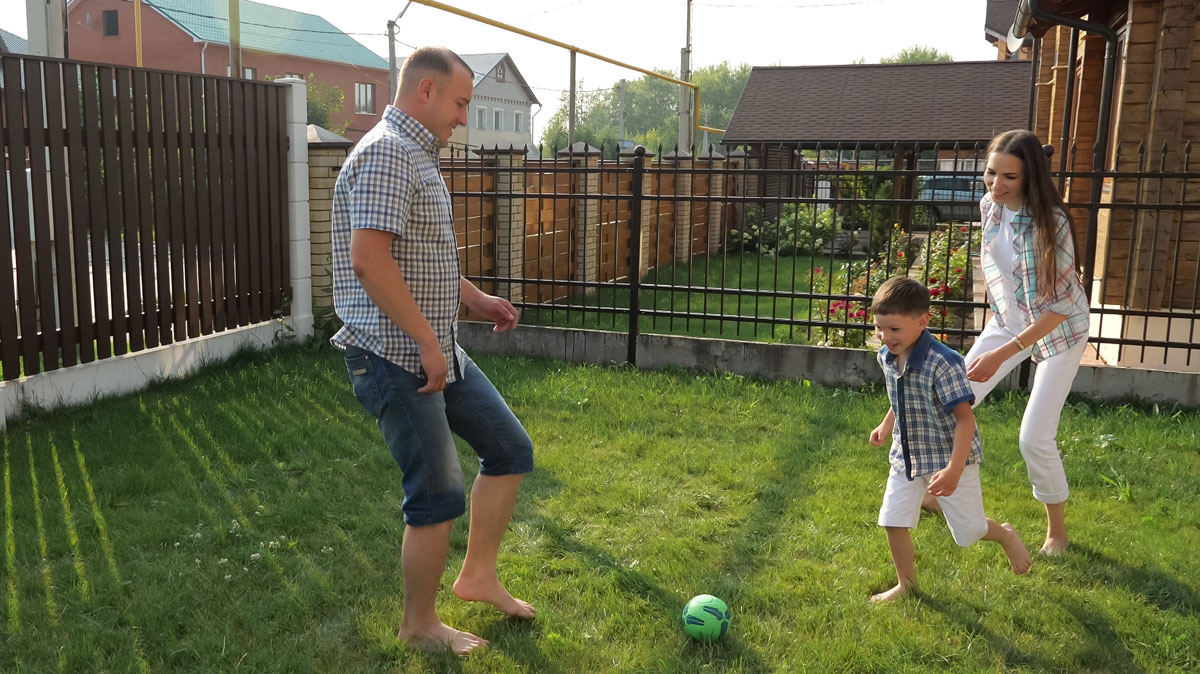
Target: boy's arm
x,y
945,481
884,429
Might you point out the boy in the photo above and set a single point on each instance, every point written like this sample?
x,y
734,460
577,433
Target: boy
x,y
935,446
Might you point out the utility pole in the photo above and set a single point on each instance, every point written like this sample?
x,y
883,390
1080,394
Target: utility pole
x,y
571,116
685,93
393,84
235,39
621,123
137,30
46,23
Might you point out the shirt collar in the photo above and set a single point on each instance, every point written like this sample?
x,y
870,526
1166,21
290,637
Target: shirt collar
x,y
404,123
919,351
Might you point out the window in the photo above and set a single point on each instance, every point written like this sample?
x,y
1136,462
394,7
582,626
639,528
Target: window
x,y
296,75
112,24
480,118
498,118
364,98
517,122
250,73
500,73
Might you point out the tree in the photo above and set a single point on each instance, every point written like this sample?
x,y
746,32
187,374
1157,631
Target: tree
x,y
651,110
325,101
918,54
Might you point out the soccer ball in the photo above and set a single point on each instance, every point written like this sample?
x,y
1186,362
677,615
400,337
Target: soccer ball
x,y
706,618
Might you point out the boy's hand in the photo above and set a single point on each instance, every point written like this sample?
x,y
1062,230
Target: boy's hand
x,y
945,481
880,434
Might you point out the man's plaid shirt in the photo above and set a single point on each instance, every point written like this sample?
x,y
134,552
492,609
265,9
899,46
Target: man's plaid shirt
x,y
934,381
391,182
1067,296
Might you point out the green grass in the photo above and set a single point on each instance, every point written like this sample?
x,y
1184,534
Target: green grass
x,y
737,271
121,552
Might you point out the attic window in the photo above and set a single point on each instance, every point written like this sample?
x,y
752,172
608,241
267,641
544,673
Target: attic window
x,y
112,24
500,73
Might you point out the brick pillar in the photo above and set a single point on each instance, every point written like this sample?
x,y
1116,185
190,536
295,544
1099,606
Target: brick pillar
x,y
510,218
737,185
296,118
644,246
680,164
587,211
326,154
715,161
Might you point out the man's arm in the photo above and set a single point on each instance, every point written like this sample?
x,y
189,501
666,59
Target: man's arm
x,y
377,271
481,305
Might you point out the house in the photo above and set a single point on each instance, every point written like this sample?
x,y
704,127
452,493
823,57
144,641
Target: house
x,y
1145,260
12,44
193,36
500,112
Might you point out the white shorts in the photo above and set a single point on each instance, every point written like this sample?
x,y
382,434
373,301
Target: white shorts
x,y
963,509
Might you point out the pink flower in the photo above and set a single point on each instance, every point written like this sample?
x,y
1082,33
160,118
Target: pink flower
x,y
932,280
958,270
819,270
935,291
945,288
832,310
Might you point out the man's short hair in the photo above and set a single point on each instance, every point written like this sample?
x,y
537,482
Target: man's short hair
x,y
436,60
901,295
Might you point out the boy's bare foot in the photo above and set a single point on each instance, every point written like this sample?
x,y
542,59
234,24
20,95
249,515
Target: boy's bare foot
x,y
895,593
1054,546
439,637
1014,547
929,502
492,592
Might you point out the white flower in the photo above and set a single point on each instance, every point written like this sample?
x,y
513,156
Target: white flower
x,y
228,576
255,557
222,561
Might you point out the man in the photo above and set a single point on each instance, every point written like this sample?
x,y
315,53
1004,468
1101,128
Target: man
x,y
397,288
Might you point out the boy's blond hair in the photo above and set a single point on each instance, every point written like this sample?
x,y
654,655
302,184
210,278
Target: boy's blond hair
x,y
901,295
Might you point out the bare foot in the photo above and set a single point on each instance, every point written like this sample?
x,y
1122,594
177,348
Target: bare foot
x,y
929,502
1054,546
895,593
492,592
1014,547
439,637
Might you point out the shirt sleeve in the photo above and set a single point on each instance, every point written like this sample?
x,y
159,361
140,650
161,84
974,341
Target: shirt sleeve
x,y
951,386
382,195
1061,298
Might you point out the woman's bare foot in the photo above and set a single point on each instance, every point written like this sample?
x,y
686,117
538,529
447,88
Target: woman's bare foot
x,y
439,637
492,592
895,593
1054,546
929,502
1014,547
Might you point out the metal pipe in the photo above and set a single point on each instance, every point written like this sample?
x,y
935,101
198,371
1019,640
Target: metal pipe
x,y
1072,56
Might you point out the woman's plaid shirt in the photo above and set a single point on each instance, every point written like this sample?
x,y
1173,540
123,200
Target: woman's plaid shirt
x,y
391,181
933,383
1067,296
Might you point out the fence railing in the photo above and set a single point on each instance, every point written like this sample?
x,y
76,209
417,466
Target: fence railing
x,y
145,208
788,243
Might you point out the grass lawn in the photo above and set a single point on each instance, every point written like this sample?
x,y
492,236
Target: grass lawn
x,y
738,271
248,519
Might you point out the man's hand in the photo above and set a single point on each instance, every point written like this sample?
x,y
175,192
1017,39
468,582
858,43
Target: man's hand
x,y
435,366
499,311
945,481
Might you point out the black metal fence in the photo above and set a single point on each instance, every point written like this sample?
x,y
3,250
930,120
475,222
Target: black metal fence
x,y
787,243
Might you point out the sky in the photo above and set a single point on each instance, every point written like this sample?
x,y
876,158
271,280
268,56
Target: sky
x,y
651,33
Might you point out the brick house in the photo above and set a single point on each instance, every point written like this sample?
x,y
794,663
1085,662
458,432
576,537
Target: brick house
x,y
193,36
500,106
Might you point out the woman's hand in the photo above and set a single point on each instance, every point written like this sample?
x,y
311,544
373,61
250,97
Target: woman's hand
x,y
984,367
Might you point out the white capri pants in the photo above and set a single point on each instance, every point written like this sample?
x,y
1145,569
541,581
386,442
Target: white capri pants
x,y
1039,426
963,509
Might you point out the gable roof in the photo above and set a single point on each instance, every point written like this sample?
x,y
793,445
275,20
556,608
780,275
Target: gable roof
x,y
882,102
271,29
999,18
12,44
483,65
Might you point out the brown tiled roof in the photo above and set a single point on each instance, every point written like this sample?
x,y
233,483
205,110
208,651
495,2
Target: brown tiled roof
x,y
968,101
999,19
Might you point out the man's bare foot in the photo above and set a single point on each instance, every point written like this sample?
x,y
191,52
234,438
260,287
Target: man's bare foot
x,y
895,593
1014,547
439,637
929,502
492,592
1054,546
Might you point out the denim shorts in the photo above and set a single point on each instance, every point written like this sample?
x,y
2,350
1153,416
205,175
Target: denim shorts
x,y
417,428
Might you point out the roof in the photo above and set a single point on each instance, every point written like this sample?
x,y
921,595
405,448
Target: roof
x,y
882,102
271,29
999,19
483,65
12,44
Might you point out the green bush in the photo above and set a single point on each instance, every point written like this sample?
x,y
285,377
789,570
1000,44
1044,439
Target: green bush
x,y
797,230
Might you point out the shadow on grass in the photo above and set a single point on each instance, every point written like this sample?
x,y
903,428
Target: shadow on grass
x,y
970,618
1153,586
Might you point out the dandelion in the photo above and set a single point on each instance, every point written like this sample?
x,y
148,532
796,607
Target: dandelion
x,y
255,557
222,561
176,543
228,576
326,549
273,545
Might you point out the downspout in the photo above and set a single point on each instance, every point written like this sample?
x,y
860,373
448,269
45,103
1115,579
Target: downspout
x,y
202,71
531,119
1026,12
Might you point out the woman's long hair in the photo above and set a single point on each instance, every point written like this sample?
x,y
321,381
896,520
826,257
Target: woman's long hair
x,y
1041,200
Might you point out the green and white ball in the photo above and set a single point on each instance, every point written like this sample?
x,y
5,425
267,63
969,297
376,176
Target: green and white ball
x,y
706,618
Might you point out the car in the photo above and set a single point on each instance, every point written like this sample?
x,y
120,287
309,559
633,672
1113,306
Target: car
x,y
948,199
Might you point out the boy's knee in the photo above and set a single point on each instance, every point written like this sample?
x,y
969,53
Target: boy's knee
x,y
967,536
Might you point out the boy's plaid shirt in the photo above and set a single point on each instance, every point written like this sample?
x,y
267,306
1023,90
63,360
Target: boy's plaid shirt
x,y
1067,296
391,181
934,381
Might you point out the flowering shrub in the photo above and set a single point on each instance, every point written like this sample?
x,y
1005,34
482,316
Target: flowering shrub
x,y
797,231
943,262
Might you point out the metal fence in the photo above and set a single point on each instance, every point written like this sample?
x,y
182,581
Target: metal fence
x,y
144,208
787,243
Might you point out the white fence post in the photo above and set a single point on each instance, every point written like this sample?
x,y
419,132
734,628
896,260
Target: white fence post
x,y
296,117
